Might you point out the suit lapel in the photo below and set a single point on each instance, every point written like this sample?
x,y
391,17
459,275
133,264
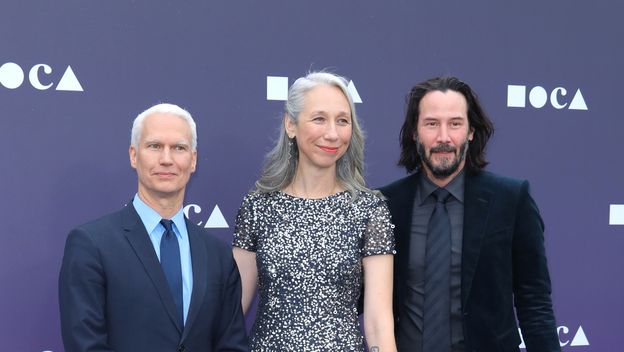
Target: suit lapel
x,y
477,198
402,207
199,259
139,240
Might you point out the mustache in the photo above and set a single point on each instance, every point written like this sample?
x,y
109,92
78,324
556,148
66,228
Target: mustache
x,y
443,148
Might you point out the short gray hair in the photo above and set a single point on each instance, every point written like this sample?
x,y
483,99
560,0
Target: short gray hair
x,y
281,162
163,108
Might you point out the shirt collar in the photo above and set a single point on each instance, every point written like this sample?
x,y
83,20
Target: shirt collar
x,y
455,187
151,219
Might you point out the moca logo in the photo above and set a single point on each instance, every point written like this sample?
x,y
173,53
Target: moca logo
x,y
39,77
579,338
277,89
215,220
538,97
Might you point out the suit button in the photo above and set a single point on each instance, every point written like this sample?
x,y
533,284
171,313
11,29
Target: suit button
x,y
181,348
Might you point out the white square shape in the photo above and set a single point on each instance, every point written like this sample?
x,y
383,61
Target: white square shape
x,y
277,88
516,96
616,214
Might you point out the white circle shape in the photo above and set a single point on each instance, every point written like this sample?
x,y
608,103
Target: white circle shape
x,y
11,75
538,97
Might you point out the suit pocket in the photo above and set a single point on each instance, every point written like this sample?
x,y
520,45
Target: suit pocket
x,y
498,235
509,341
496,254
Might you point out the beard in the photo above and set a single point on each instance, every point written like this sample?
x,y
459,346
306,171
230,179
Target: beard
x,y
447,166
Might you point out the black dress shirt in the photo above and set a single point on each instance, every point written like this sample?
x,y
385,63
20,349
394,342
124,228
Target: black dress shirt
x,y
410,326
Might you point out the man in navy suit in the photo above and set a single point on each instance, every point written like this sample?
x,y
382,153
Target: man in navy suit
x,y
144,278
493,272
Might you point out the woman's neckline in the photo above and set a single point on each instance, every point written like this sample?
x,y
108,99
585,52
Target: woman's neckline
x,y
291,196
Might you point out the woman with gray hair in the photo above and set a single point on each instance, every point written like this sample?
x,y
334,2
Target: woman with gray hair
x,y
311,233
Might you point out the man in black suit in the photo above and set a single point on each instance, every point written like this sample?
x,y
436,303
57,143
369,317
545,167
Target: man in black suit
x,y
492,256
144,278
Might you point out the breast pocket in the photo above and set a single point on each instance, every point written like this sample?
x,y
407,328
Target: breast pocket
x,y
212,297
498,236
496,251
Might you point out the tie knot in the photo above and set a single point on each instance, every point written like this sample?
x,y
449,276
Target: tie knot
x,y
167,224
441,195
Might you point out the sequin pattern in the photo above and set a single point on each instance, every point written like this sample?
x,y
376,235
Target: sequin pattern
x,y
309,257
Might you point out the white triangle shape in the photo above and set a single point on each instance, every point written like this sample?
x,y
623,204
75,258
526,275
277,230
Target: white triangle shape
x,y
580,339
578,102
69,82
216,220
354,93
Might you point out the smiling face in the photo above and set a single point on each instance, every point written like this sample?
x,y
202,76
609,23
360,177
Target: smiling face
x,y
163,159
443,134
323,128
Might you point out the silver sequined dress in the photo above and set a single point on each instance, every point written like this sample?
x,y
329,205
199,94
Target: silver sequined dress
x,y
309,257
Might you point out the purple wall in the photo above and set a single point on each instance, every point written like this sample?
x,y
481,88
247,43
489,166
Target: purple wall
x,y
63,141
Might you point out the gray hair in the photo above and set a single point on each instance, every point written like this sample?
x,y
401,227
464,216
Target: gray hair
x,y
163,108
281,162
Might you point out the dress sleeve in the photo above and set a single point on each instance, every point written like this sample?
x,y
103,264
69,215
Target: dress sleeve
x,y
245,229
379,236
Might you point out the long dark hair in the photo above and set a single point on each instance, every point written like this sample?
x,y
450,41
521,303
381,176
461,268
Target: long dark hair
x,y
477,118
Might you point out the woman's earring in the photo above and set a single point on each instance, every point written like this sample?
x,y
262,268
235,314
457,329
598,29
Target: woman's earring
x,y
292,148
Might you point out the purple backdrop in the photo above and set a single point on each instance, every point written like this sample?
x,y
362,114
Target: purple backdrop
x,y
73,75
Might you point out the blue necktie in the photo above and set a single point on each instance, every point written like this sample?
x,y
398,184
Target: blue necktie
x,y
170,262
437,308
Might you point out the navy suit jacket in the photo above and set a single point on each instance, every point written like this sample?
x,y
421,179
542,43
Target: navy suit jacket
x,y
114,296
503,263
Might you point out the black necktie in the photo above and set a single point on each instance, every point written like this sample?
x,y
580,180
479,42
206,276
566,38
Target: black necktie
x,y
436,315
170,262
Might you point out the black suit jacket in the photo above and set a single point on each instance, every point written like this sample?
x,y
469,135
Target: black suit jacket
x,y
114,296
503,263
